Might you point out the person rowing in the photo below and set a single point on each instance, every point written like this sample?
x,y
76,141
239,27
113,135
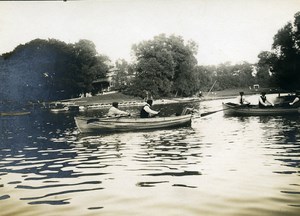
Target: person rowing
x,y
146,111
263,102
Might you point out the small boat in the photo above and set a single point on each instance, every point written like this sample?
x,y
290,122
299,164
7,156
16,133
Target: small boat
x,y
188,99
248,110
118,124
58,110
14,113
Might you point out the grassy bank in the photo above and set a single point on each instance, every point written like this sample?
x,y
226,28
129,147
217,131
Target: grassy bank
x,y
119,97
104,98
228,93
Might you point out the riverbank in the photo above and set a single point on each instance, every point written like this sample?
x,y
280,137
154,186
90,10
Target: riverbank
x,y
105,100
108,98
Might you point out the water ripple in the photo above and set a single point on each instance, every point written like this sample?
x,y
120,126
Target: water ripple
x,y
184,173
57,185
61,193
218,166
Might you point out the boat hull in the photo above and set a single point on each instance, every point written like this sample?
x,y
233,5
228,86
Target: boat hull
x,y
59,110
14,113
106,125
232,110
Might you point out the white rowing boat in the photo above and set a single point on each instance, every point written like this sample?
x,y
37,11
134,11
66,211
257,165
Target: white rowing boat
x,y
116,124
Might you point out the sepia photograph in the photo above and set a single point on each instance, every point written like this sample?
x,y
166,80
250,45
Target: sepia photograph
x,y
150,107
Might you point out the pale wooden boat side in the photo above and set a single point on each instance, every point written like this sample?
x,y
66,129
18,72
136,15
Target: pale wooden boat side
x,y
58,110
230,109
104,125
14,113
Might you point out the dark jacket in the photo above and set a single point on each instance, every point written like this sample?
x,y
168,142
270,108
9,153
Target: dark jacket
x,y
263,98
143,113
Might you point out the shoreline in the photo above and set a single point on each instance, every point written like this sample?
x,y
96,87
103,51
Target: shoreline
x,y
105,100
122,99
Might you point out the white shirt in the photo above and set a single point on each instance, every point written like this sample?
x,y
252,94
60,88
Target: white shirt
x,y
113,111
150,111
266,102
243,100
294,101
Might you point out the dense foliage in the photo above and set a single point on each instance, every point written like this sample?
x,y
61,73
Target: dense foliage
x,y
234,76
284,60
263,69
50,70
165,66
123,75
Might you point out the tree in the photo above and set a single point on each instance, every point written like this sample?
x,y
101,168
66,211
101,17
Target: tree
x,y
51,70
89,65
286,66
185,65
244,72
226,76
165,65
123,75
264,68
204,77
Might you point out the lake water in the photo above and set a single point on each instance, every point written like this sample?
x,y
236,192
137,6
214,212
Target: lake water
x,y
219,166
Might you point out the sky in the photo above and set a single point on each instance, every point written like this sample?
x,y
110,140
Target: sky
x,y
225,30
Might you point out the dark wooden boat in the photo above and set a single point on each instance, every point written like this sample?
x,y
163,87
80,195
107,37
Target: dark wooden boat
x,y
117,124
235,109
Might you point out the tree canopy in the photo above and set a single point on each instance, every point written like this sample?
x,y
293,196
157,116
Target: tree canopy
x,y
284,60
123,75
165,66
50,70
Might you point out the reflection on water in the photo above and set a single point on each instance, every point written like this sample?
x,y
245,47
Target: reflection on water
x,y
218,166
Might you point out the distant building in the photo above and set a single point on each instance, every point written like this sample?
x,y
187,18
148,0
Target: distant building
x,y
113,80
256,87
107,83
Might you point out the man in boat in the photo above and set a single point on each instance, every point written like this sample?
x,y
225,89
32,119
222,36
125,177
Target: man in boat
x,y
263,102
114,111
242,100
146,111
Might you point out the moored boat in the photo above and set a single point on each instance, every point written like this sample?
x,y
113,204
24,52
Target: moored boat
x,y
235,109
14,113
117,124
58,110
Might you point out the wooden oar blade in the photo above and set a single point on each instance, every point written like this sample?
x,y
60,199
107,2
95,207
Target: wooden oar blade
x,y
209,113
236,107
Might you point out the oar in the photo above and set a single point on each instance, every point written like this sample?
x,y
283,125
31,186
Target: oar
x,y
212,112
209,113
211,88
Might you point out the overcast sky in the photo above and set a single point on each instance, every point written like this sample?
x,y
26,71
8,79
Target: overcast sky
x,y
225,30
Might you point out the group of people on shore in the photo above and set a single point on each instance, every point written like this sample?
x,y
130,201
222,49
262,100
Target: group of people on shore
x,y
263,101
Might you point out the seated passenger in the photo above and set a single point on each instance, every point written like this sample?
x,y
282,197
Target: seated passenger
x,y
114,111
263,102
242,100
